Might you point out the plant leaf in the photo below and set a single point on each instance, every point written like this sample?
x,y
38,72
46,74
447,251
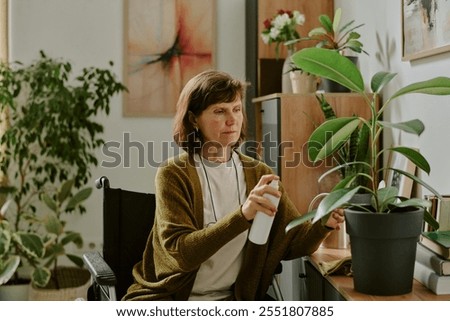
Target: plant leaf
x,y
5,238
65,190
300,220
337,20
41,276
30,243
334,200
419,181
414,156
414,126
380,79
342,71
317,32
53,224
8,268
78,198
49,202
330,136
434,86
76,260
430,219
326,22
73,237
414,202
386,196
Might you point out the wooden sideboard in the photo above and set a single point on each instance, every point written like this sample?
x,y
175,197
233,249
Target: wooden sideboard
x,y
340,287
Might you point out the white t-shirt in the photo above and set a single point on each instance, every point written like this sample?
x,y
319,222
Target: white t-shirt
x,y
217,274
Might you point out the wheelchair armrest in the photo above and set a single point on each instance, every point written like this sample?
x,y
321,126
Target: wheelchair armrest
x,y
100,271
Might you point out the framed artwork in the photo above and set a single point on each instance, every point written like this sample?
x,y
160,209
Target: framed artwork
x,y
426,28
402,182
167,42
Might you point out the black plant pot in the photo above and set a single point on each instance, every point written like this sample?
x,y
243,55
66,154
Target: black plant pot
x,y
331,86
383,248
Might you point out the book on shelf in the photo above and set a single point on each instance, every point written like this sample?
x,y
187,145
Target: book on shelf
x,y
440,210
434,261
438,284
438,242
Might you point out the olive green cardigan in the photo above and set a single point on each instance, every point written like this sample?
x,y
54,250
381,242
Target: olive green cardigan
x,y
178,244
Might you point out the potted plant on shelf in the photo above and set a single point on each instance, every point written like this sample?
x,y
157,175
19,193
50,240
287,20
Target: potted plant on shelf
x,y
302,82
282,29
388,222
51,138
343,38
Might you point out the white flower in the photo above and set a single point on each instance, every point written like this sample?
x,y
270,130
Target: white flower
x,y
281,20
265,38
274,33
299,17
282,28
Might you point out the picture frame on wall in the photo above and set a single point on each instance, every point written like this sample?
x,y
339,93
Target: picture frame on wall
x,y
167,42
425,28
393,178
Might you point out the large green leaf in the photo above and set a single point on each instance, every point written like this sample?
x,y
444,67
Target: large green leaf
x,y
414,202
300,220
330,136
380,79
414,126
386,196
434,86
334,200
414,156
329,64
419,181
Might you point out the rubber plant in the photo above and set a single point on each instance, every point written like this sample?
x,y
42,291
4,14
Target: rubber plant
x,y
334,133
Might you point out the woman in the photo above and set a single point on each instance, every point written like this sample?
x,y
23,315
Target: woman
x,y
206,200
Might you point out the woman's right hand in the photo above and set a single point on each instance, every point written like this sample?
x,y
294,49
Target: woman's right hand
x,y
257,202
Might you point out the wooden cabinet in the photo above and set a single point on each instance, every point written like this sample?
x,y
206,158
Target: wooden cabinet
x,y
284,123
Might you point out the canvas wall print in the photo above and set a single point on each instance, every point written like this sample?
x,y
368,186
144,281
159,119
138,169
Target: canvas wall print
x,y
167,43
426,28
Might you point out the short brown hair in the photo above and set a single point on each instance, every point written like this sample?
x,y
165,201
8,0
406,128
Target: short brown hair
x,y
205,89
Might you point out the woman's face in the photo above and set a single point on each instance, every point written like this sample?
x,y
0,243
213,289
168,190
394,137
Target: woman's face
x,y
220,124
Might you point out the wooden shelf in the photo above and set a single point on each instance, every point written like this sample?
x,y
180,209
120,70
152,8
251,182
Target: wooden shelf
x,y
344,284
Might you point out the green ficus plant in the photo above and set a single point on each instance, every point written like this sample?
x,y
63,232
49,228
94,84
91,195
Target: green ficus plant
x,y
53,130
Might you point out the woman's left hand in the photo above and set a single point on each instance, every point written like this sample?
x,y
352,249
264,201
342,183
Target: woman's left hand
x,y
336,219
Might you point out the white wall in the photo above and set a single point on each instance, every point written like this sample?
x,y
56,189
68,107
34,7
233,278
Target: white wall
x,y
384,17
90,33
